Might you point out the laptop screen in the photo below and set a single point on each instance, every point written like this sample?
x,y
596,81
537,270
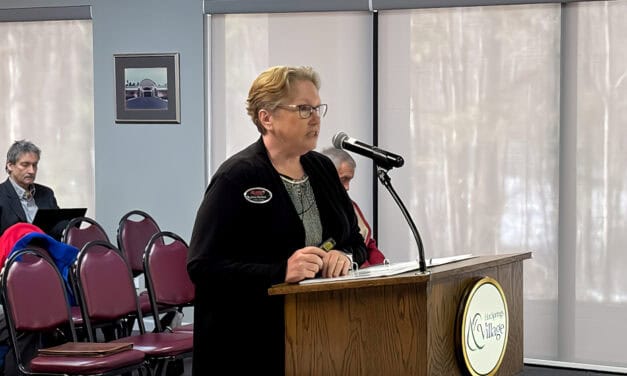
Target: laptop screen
x,y
47,219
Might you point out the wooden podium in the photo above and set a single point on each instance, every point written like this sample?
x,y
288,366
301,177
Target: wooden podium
x,y
398,325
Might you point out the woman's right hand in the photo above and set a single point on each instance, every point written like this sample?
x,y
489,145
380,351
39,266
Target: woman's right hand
x,y
304,263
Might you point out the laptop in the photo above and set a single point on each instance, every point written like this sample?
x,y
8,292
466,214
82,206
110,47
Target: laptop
x,y
47,219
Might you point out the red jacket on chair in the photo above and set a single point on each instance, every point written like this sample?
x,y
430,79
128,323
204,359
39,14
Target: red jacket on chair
x,y
12,235
375,256
22,234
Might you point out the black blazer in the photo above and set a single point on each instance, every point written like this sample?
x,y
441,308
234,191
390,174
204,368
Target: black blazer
x,y
239,248
11,211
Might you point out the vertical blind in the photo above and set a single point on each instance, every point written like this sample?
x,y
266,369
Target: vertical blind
x,y
599,205
470,97
46,77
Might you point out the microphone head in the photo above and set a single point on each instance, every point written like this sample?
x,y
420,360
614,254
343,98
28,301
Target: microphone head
x,y
338,140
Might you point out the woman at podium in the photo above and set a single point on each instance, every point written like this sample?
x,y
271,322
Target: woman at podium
x,y
264,217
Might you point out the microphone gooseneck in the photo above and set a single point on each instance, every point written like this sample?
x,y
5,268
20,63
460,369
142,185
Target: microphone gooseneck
x,y
384,160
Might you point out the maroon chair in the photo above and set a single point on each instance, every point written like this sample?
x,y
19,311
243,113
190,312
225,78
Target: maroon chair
x,y
35,301
167,281
134,231
78,232
107,292
81,230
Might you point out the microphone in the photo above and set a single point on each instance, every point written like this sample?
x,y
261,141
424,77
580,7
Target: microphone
x,y
381,158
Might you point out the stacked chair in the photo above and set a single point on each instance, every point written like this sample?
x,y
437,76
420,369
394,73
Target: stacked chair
x,y
35,302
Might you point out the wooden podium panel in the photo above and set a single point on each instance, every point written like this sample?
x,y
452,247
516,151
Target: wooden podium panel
x,y
399,325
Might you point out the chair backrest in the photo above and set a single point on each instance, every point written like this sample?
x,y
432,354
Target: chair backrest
x,y
34,297
165,268
105,285
134,231
81,230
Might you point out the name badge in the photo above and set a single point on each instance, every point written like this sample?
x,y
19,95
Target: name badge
x,y
258,195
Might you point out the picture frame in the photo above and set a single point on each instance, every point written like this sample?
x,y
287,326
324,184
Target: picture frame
x,y
147,88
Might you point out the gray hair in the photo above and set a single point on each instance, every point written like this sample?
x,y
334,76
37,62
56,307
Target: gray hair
x,y
339,156
18,149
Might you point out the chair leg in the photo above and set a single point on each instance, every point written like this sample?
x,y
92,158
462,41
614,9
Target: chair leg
x,y
147,369
162,367
176,367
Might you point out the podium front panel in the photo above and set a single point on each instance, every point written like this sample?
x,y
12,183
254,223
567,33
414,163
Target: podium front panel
x,y
367,331
401,325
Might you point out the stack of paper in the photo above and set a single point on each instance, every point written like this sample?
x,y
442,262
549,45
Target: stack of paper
x,y
388,269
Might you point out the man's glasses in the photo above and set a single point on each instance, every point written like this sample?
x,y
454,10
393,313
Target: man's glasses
x,y
305,110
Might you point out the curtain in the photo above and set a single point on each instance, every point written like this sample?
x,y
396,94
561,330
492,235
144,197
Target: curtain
x,y
46,78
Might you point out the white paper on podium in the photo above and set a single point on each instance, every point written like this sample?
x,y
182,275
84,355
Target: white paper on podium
x,y
386,270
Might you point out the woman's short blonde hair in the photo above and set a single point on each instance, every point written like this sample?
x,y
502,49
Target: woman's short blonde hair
x,y
273,86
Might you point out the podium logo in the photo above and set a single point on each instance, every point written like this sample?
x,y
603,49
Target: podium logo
x,y
484,327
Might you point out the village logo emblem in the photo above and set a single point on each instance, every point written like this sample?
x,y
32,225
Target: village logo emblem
x,y
482,327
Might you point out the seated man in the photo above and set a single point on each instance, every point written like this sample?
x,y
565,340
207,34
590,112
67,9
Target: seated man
x,y
345,165
20,196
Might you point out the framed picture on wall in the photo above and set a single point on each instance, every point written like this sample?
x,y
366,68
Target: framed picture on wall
x,y
147,88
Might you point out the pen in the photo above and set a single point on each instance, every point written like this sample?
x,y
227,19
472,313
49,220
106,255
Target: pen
x,y
328,244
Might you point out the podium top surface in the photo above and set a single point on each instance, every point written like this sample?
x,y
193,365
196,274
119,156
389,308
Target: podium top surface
x,y
436,273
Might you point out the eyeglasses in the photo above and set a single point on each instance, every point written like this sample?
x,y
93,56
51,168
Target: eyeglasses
x,y
305,110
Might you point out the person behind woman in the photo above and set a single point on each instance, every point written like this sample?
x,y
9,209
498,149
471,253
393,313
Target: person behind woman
x,y
264,213
345,166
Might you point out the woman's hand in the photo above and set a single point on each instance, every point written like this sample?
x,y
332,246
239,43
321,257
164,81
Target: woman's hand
x,y
304,263
335,263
